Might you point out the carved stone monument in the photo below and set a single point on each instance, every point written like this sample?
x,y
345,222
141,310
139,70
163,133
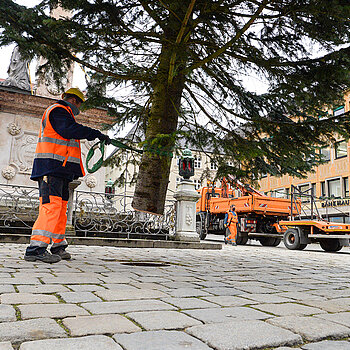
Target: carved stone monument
x,y
18,73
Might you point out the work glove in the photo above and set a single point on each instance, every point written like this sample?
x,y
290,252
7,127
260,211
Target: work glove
x,y
105,138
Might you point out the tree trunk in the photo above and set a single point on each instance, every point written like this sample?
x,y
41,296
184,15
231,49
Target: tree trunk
x,y
153,177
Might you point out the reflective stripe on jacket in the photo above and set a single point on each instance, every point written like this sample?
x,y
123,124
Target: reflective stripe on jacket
x,y
52,146
232,218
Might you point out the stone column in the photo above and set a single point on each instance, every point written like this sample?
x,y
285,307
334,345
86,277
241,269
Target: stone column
x,y
70,231
186,197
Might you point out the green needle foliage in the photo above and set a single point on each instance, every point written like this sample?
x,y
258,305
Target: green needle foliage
x,y
182,65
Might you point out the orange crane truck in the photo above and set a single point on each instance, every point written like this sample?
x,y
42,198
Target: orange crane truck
x,y
258,214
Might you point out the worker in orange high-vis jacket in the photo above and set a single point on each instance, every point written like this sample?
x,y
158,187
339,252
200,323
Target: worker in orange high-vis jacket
x,y
231,223
57,162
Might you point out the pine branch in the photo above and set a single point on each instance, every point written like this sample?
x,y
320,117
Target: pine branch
x,y
230,42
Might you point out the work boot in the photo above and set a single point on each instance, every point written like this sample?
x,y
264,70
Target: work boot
x,y
45,257
230,241
62,253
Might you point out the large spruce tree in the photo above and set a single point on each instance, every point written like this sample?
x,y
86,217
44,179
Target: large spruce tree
x,y
183,63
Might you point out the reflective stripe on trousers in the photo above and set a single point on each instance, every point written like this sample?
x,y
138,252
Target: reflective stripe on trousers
x,y
50,226
233,231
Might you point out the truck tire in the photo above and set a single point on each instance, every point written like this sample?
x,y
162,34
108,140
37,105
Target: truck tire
x,y
330,244
291,239
200,221
302,246
269,241
241,240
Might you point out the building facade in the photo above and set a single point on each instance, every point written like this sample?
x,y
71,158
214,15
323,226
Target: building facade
x,y
329,182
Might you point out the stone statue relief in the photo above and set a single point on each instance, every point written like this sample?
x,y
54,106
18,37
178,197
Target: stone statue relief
x,y
18,72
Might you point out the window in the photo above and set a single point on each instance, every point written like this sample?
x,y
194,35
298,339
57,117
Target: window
x,y
287,192
197,184
313,187
197,162
341,149
334,188
213,166
326,153
279,193
323,189
346,186
306,194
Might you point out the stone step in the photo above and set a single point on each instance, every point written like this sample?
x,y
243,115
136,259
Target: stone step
x,y
119,242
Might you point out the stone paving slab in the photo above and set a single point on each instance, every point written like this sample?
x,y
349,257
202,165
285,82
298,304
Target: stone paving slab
x,y
100,324
40,328
244,335
50,310
287,309
226,314
42,288
265,298
84,287
328,345
332,305
157,320
160,340
126,306
6,346
78,297
20,280
130,294
27,298
7,313
227,300
340,317
187,292
311,328
121,286
189,303
6,288
93,342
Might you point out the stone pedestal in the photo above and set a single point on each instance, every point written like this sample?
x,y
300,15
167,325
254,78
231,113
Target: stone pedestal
x,y
70,231
186,197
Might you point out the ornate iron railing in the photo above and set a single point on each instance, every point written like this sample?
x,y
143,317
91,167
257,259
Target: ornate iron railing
x,y
94,214
100,213
19,207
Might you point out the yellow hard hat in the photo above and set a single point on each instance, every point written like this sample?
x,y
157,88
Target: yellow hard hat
x,y
76,92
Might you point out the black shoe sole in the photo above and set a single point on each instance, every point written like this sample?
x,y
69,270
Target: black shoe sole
x,y
33,258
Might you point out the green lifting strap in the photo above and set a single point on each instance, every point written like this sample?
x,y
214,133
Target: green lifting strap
x,y
101,145
116,143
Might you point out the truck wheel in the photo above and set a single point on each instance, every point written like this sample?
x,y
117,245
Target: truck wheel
x,y
277,242
200,226
330,244
302,246
268,241
241,240
291,239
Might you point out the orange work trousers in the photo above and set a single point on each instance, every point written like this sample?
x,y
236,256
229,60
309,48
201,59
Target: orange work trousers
x,y
233,231
50,226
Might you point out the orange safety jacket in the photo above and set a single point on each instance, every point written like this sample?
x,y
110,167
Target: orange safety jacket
x,y
53,148
231,218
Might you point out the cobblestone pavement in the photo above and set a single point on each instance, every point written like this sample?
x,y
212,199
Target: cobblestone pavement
x,y
245,297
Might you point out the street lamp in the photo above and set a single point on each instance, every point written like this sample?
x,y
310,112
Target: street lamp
x,y
186,164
